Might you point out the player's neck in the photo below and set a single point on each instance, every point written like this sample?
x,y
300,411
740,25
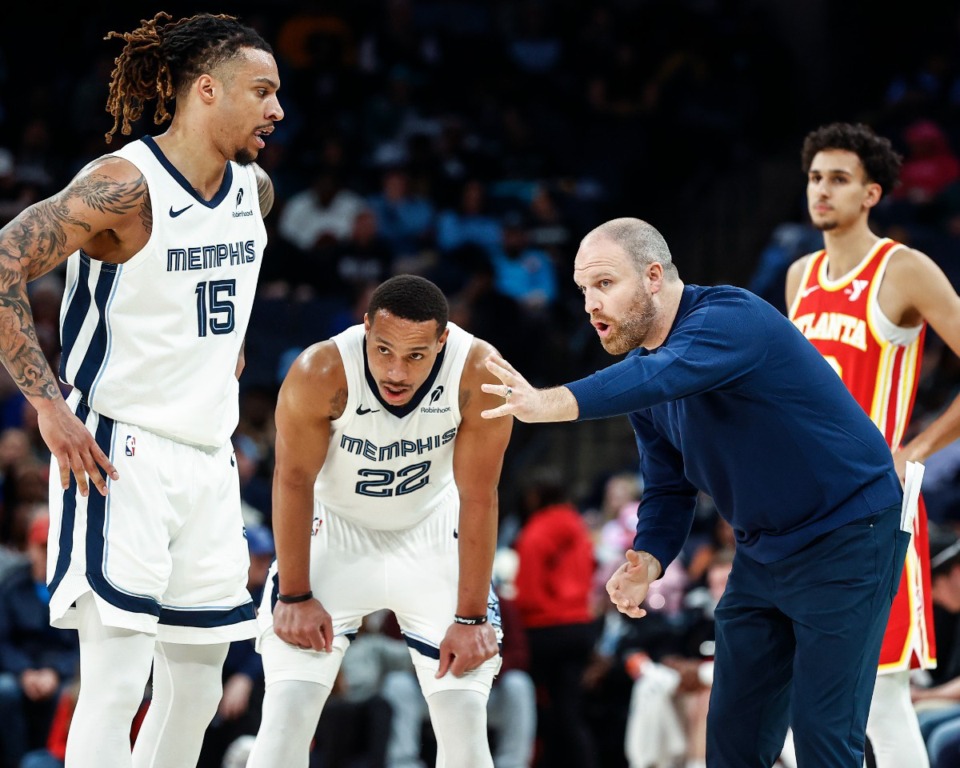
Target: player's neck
x,y
195,158
846,248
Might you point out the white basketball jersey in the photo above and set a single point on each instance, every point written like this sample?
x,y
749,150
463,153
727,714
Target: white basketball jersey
x,y
388,468
154,342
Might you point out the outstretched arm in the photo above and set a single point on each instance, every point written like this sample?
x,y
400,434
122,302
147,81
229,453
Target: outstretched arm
x,y
515,396
313,393
477,462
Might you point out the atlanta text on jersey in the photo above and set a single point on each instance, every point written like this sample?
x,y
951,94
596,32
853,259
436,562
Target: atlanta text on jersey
x,y
834,326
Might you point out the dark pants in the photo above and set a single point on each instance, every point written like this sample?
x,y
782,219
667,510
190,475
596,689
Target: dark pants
x,y
798,642
558,657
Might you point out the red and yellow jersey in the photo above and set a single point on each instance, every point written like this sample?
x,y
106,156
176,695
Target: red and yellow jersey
x,y
880,364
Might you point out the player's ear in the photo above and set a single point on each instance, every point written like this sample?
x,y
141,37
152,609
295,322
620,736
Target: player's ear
x,y
874,193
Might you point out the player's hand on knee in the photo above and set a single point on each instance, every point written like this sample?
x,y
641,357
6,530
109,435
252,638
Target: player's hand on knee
x,y
465,647
305,625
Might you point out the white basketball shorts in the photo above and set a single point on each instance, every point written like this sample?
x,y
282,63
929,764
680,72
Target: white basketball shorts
x,y
164,552
355,571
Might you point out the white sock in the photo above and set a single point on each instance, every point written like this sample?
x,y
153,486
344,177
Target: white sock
x,y
459,721
114,669
186,691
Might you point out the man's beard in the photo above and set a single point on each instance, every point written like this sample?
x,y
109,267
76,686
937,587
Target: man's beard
x,y
633,330
825,226
244,157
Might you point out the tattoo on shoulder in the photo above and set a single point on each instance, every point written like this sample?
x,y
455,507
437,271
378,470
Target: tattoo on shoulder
x,y
107,195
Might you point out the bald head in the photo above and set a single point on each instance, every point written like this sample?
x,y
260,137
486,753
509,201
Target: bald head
x,y
641,241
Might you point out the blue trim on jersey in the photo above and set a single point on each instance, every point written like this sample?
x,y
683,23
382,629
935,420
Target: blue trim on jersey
x,y
105,325
96,354
77,307
402,410
207,617
182,181
422,647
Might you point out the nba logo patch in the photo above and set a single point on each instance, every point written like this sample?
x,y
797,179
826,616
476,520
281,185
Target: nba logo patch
x,y
317,522
130,445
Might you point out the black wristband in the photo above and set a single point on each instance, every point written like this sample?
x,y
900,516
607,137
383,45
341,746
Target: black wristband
x,y
294,598
472,620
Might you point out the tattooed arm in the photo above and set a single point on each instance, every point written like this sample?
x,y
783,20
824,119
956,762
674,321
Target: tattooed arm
x,y
105,211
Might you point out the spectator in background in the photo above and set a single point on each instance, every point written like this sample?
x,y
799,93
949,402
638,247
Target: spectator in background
x,y
469,222
554,582
254,488
36,660
405,219
320,215
930,164
524,273
365,258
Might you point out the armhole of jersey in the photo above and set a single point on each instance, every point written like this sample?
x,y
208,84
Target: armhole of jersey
x,y
142,255
460,359
353,381
884,330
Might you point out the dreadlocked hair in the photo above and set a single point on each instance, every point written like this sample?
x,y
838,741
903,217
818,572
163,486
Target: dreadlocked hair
x,y
162,57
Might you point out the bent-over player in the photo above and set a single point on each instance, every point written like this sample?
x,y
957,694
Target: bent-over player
x,y
385,496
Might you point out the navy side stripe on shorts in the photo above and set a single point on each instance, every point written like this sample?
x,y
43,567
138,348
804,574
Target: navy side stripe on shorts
x,y
207,617
96,533
69,518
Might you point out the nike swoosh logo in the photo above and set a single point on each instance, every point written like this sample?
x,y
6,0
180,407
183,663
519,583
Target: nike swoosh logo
x,y
808,291
361,411
174,214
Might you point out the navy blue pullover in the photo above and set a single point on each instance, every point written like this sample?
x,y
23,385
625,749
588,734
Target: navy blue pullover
x,y
737,403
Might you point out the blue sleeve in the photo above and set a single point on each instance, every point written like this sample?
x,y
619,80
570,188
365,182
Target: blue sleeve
x,y
669,499
712,346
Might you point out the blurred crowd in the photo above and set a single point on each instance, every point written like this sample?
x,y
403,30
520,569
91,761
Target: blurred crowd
x,y
474,143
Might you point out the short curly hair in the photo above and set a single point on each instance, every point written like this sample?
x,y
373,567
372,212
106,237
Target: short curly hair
x,y
411,297
880,160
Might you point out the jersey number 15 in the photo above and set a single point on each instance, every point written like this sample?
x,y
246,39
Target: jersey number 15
x,y
215,306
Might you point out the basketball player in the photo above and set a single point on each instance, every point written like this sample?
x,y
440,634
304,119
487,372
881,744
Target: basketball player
x,y
163,241
864,303
794,465
404,517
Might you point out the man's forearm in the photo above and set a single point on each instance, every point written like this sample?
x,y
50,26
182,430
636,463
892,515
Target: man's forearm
x,y
557,404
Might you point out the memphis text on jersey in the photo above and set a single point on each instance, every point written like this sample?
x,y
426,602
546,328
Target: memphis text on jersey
x,y
400,449
211,256
834,326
